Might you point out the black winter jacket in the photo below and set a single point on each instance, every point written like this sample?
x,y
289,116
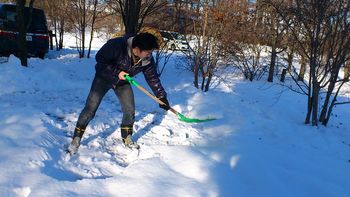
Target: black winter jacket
x,y
114,57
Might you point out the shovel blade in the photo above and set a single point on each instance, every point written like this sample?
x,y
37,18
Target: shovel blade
x,y
193,120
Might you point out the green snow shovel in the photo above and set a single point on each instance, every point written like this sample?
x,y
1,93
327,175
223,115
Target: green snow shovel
x,y
178,114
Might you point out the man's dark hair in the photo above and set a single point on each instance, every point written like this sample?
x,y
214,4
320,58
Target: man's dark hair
x,y
145,42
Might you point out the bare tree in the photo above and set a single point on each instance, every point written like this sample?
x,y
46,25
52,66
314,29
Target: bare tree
x,y
241,37
134,12
205,49
97,13
82,15
275,31
56,11
177,16
77,15
322,31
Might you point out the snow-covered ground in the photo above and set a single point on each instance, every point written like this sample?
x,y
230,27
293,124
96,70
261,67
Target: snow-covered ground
x,y
259,145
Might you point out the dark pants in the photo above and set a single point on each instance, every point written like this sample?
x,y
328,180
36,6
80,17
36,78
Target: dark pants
x,y
98,90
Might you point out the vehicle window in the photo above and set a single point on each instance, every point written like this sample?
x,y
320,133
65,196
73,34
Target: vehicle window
x,y
181,37
174,35
11,16
178,36
38,23
166,35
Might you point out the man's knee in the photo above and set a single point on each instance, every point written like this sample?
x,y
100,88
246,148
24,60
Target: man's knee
x,y
89,112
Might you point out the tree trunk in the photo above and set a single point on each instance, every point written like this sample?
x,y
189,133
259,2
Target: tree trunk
x,y
61,33
22,43
210,75
203,83
290,60
347,71
55,33
325,121
302,68
312,109
203,78
83,29
315,83
196,72
326,102
90,42
309,94
283,76
315,95
131,16
273,63
331,86
309,109
92,27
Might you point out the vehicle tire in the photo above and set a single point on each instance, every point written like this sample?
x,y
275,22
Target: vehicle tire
x,y
41,55
4,55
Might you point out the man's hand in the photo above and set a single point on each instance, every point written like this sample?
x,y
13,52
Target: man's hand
x,y
122,74
166,107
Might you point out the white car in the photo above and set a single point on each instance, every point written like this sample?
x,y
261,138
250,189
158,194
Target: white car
x,y
174,40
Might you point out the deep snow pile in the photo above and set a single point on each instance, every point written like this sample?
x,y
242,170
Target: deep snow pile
x,y
259,145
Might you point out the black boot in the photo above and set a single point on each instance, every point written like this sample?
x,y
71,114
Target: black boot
x,y
126,132
74,145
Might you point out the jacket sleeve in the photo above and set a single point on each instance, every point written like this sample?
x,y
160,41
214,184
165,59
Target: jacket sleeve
x,y
153,80
106,59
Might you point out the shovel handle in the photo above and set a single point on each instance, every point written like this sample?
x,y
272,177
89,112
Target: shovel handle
x,y
132,81
179,115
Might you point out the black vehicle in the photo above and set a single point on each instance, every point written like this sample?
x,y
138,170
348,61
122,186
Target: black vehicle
x,y
37,36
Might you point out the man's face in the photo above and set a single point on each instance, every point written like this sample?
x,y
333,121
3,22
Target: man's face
x,y
142,54
146,54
